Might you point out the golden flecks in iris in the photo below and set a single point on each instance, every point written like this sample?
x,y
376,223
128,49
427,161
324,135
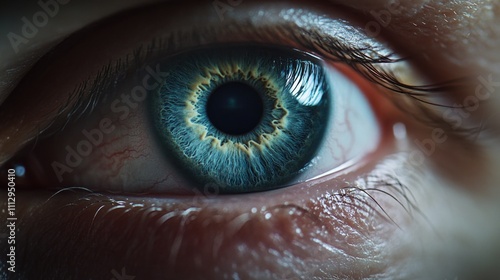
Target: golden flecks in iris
x,y
228,72
250,147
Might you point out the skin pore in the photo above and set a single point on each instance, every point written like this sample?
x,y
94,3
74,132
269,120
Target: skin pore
x,y
443,225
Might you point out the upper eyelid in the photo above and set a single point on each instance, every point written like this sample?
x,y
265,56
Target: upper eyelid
x,y
138,7
25,60
360,60
99,87
77,32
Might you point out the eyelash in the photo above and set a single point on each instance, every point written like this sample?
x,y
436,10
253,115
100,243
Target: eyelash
x,y
101,87
113,73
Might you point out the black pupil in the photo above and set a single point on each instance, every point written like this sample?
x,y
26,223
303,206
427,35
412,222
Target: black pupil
x,y
235,108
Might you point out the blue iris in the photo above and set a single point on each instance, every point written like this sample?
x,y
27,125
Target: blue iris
x,y
244,118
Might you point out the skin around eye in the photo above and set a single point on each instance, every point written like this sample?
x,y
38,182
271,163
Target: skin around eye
x,y
333,227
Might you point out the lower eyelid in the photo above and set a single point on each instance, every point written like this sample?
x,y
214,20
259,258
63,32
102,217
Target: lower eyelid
x,y
331,229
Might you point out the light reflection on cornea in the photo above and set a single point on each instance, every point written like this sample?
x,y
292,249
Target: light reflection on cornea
x,y
307,91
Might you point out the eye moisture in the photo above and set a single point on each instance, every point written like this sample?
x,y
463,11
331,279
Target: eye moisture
x,y
245,118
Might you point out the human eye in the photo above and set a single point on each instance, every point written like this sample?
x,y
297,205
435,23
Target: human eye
x,y
293,103
335,200
155,117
